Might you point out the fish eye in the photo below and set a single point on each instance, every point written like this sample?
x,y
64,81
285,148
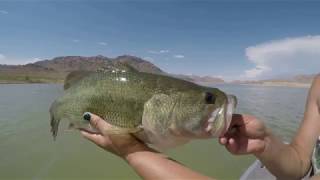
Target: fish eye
x,y
210,98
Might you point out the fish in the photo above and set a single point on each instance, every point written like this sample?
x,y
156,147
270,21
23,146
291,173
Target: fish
x,y
160,110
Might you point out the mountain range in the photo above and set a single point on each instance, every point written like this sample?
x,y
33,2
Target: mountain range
x,y
56,69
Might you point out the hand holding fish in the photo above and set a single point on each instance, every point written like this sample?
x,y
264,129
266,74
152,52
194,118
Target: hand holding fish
x,y
148,163
284,160
121,145
246,135
140,108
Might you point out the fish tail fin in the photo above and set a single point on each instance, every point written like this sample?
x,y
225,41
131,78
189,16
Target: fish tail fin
x,y
54,121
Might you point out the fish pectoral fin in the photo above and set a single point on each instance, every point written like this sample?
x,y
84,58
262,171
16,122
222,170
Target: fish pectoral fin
x,y
71,126
156,112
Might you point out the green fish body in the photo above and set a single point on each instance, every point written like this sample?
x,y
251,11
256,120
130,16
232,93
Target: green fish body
x,y
160,110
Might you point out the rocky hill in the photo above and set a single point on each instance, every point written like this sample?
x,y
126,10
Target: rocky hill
x,y
73,63
203,80
56,69
139,64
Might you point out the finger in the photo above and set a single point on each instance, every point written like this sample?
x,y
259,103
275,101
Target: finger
x,y
237,119
255,146
95,138
231,141
236,122
245,125
96,122
232,146
255,128
252,127
223,140
241,119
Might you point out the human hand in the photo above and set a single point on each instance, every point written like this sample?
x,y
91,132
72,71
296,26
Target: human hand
x,y
121,144
246,135
148,163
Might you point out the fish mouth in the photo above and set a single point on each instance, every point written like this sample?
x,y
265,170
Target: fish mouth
x,y
219,121
231,106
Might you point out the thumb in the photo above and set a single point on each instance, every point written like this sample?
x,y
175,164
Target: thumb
x,y
96,122
95,138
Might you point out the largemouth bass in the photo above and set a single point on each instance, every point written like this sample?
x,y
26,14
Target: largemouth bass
x,y
159,110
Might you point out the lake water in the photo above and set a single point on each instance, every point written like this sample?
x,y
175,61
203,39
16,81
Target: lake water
x,y
27,150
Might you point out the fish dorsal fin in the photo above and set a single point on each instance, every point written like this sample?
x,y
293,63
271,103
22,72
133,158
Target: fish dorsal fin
x,y
116,66
74,77
123,66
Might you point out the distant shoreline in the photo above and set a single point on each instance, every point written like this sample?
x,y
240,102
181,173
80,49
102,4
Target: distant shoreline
x,y
278,84
25,82
264,84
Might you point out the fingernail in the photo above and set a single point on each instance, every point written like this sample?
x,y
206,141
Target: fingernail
x,y
86,116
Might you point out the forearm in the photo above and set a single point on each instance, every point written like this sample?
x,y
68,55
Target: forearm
x,y
283,160
153,165
293,161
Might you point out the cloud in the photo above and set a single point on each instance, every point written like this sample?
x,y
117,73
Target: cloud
x,y
178,56
150,59
4,12
75,40
257,71
102,43
36,59
297,55
14,61
163,51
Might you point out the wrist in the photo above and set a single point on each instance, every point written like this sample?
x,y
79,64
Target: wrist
x,y
134,151
267,143
142,157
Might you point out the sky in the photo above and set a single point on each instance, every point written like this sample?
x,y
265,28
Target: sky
x,y
229,39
